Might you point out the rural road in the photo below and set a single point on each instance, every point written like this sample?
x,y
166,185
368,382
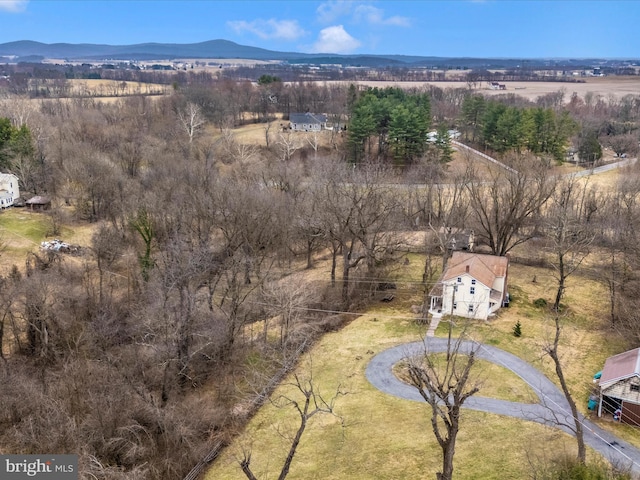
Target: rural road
x,y
582,173
551,409
605,168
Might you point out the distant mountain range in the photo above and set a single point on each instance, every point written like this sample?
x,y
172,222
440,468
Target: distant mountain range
x,y
27,50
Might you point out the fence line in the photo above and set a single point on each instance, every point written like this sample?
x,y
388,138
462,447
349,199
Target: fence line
x,y
484,155
257,401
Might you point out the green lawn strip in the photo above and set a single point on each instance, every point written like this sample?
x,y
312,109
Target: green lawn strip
x,y
23,225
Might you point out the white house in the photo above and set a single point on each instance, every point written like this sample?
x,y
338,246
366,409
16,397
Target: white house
x,y
9,190
432,136
473,285
620,386
307,122
497,86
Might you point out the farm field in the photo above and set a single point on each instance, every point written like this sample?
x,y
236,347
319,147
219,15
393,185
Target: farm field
x,y
617,87
114,88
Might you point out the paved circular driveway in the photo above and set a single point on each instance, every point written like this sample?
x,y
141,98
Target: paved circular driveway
x,y
551,409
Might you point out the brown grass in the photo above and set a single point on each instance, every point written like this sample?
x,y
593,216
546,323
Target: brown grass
x,y
388,437
99,87
618,87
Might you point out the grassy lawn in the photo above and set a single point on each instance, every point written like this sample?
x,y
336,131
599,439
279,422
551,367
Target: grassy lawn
x,y
389,438
21,232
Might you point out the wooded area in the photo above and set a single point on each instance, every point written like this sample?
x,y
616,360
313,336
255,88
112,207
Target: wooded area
x,y
192,293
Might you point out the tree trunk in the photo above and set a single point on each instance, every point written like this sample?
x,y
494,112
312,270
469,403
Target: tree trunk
x,y
345,277
561,282
309,254
553,353
334,261
448,452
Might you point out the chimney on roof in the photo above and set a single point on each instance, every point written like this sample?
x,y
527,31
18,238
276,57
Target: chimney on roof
x,y
467,268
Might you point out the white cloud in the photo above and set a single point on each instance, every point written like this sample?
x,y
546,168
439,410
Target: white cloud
x,y
329,12
375,16
14,6
335,39
270,29
357,11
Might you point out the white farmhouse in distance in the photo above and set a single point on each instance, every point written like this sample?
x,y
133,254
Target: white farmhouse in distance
x,y
307,122
9,190
473,285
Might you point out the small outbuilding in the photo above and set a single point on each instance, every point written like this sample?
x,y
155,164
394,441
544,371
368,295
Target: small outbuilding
x,y
38,203
620,387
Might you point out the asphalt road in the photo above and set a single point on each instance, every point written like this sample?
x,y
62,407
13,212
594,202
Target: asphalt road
x,y
606,168
551,409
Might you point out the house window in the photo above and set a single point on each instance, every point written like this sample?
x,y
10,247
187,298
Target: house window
x,y
470,308
459,279
455,305
472,290
473,281
634,388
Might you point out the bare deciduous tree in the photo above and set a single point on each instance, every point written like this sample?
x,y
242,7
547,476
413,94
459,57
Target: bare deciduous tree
x,y
308,402
552,349
287,299
357,210
506,203
570,216
446,383
191,120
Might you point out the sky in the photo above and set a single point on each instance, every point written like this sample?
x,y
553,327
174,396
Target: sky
x,y
442,28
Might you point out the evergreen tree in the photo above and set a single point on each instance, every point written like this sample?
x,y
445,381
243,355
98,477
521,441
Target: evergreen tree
x,y
517,329
443,144
589,149
473,110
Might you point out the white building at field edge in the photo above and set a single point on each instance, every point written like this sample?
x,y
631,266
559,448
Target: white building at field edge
x,y
473,286
9,190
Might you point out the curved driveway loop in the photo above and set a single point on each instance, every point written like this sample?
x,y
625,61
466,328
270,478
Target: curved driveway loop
x,y
552,408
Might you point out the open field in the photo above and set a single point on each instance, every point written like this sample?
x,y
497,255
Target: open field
x,y
617,87
114,88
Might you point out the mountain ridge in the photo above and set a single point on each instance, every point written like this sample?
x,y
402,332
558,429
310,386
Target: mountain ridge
x,y
227,49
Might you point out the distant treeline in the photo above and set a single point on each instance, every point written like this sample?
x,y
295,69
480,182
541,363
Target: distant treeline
x,y
19,77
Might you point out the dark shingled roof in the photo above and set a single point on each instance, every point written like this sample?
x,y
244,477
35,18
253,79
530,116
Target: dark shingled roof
x,y
307,118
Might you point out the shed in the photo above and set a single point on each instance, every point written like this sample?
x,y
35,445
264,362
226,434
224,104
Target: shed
x,y
39,202
620,386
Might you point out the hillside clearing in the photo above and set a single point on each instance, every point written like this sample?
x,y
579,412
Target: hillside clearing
x,y
387,437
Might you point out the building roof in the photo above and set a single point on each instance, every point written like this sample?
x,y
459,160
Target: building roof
x,y
307,118
484,268
621,366
38,200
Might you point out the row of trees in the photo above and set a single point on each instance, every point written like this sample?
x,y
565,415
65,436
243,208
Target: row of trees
x,y
503,128
400,120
